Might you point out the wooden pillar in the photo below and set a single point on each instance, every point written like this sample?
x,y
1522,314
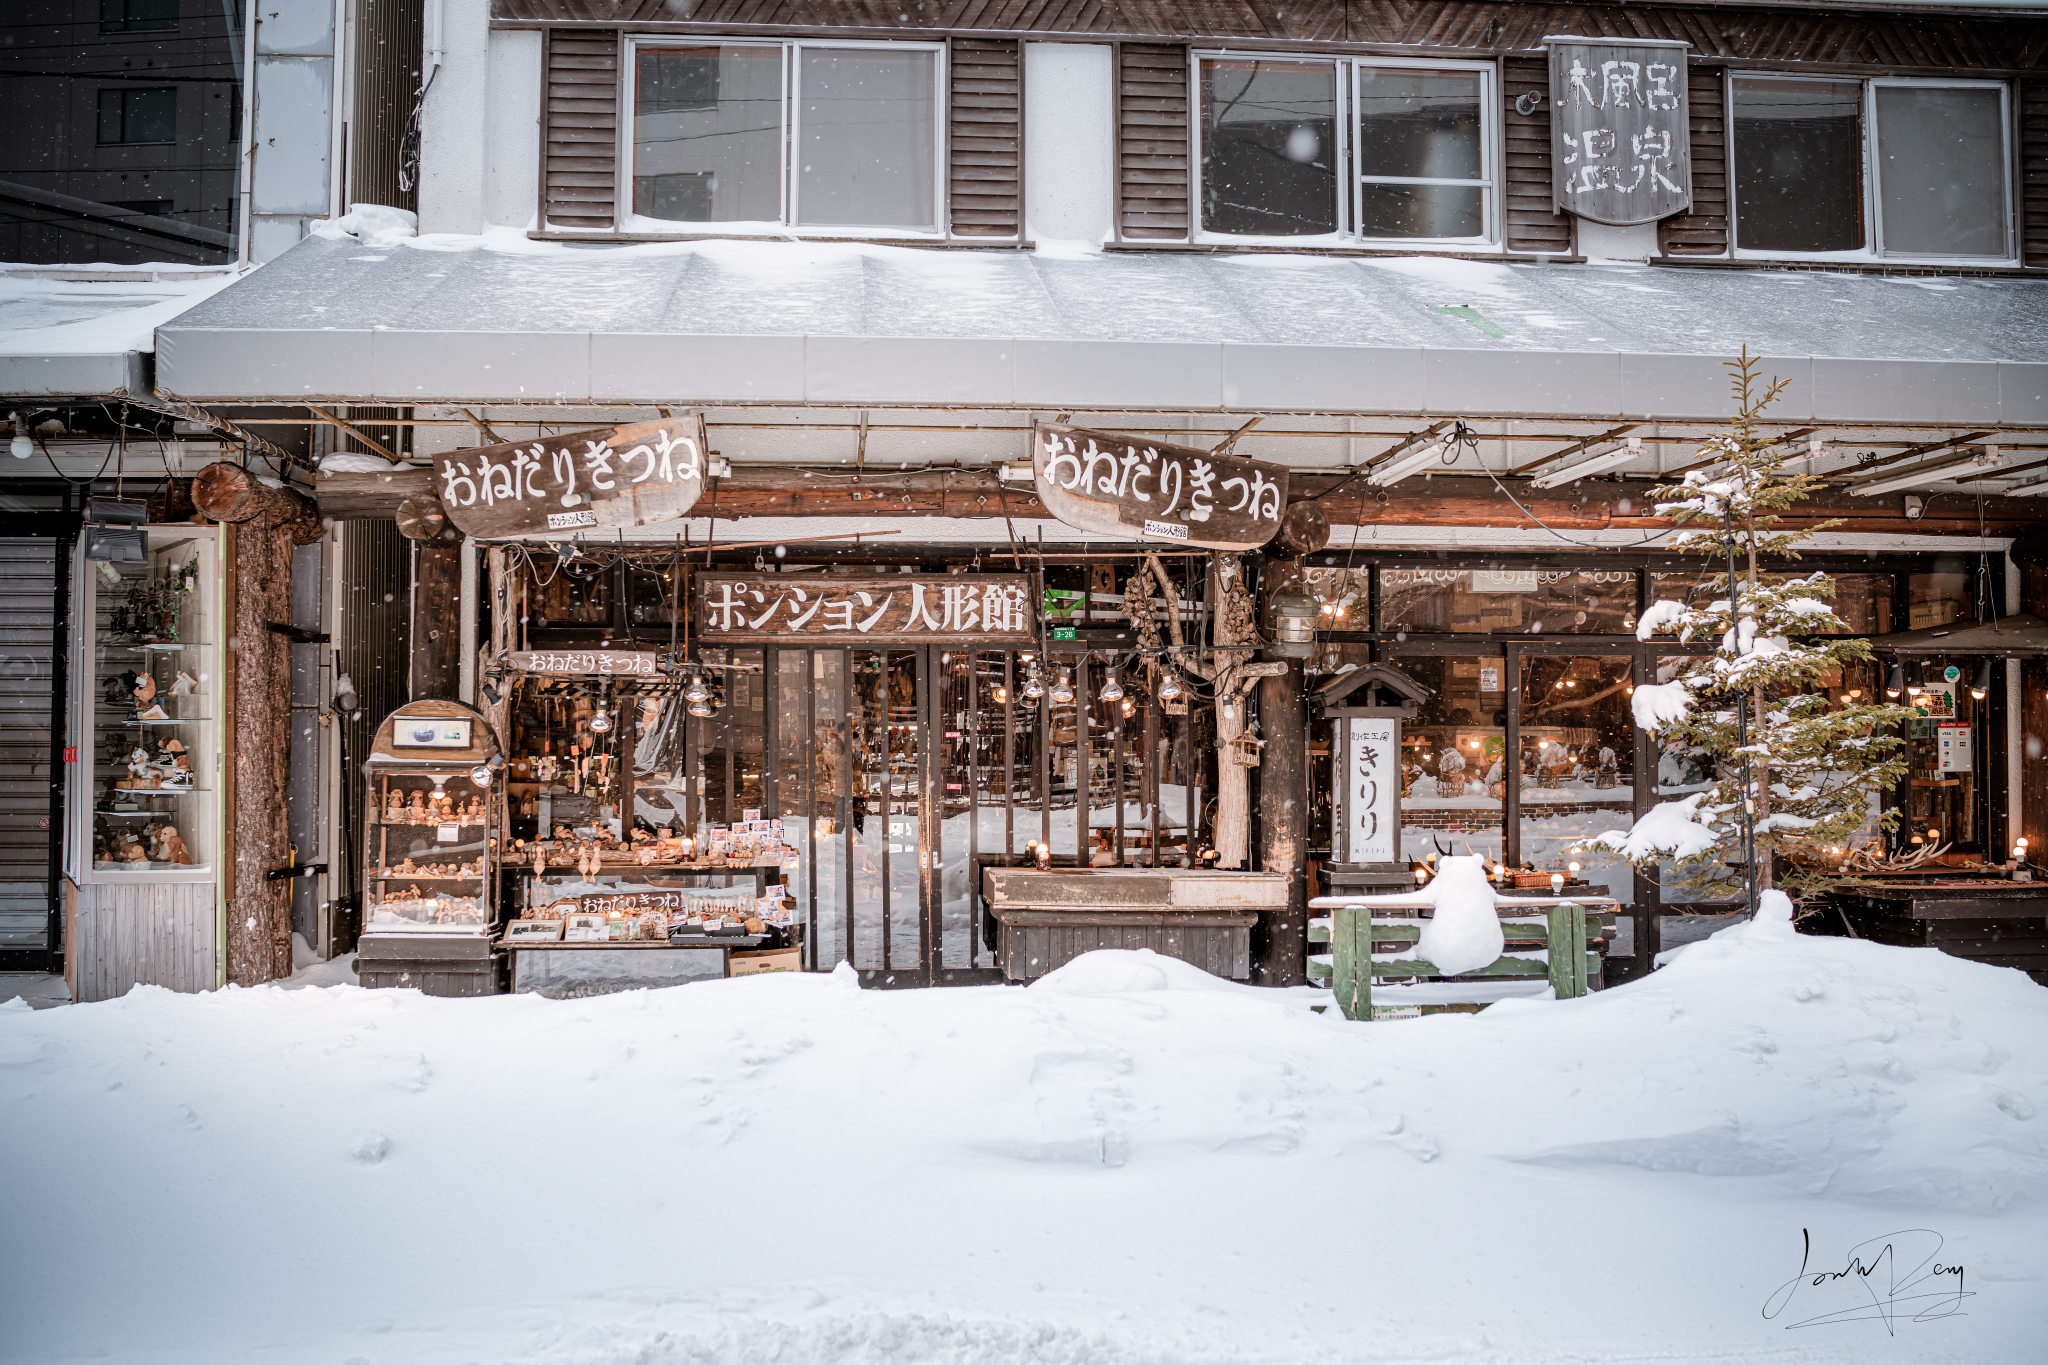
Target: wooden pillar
x,y
265,524
2032,719
436,669
1280,938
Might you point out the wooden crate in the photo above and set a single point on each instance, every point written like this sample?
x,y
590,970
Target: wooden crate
x,y
1030,943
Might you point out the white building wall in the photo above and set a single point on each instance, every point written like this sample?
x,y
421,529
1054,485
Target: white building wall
x,y
454,149
512,187
1069,148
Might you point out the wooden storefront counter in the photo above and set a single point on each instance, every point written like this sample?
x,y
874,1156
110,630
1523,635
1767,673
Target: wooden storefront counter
x,y
568,971
2004,924
1047,918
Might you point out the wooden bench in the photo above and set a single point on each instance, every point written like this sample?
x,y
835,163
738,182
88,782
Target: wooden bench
x,y
1373,941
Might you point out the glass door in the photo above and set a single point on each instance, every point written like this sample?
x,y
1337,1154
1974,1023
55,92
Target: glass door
x,y
1575,748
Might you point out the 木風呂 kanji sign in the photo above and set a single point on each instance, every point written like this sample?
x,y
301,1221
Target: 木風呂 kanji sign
x,y
1619,152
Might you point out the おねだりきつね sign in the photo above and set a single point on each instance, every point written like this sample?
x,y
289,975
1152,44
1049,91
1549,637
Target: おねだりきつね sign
x,y
1148,490
613,477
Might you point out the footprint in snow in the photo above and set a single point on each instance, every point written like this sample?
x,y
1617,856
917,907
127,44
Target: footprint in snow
x,y
372,1149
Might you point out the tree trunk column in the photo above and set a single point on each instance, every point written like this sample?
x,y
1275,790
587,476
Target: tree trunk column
x,y
264,525
436,669
1280,938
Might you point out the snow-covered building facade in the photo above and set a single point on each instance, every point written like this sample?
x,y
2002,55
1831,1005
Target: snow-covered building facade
x,y
1469,274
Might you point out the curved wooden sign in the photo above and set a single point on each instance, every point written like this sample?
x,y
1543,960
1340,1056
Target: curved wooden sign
x,y
1113,485
557,486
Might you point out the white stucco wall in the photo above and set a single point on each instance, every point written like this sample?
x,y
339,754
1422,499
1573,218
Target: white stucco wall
x,y
1069,153
453,126
512,170
1599,242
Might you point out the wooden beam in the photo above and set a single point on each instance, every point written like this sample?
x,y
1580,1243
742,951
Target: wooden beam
x,y
1448,500
1570,450
354,431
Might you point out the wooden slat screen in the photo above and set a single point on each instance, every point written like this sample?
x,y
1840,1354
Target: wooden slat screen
x,y
580,117
1152,141
985,121
1532,224
2033,195
1704,230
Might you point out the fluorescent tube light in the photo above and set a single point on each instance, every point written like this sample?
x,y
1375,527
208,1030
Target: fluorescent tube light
x,y
1585,469
2027,490
1990,457
1415,463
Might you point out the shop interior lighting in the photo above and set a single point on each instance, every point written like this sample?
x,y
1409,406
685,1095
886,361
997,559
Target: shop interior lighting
x,y
1980,680
1914,678
1112,690
1940,471
1586,469
600,721
695,689
1001,695
1063,691
1895,680
22,446
1033,688
1169,685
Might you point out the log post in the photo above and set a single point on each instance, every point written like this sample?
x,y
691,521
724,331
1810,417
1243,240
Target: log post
x,y
1279,943
1231,606
436,613
264,525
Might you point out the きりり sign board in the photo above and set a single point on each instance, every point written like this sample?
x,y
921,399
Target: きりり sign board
x,y
1620,150
560,486
1113,485
888,608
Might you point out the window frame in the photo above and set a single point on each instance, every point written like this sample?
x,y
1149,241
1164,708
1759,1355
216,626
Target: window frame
x,y
788,198
1350,190
123,92
1873,249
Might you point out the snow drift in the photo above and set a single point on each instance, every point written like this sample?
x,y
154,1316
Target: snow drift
x,y
1128,1162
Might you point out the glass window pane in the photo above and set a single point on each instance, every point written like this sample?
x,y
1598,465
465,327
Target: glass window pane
x,y
1269,148
1862,600
1508,601
1935,599
1425,124
1577,765
1421,211
833,767
1798,165
1941,170
1452,782
868,136
707,134
110,117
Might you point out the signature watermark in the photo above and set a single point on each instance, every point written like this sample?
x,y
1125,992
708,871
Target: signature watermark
x,y
1896,1278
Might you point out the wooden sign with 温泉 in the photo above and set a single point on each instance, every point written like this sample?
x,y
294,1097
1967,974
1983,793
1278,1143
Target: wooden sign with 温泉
x,y
1120,486
558,486
1619,148
993,609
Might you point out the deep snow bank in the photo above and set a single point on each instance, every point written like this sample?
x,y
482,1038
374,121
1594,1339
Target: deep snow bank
x,y
1130,1161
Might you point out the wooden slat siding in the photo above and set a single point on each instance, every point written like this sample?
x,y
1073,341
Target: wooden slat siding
x,y
1152,142
581,115
985,145
1531,222
159,934
1722,33
1703,230
2033,195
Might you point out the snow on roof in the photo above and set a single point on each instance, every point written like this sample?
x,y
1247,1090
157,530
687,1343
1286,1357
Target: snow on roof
x,y
80,329
500,318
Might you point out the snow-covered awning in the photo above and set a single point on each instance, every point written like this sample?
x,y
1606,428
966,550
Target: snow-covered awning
x,y
2022,635
87,331
501,319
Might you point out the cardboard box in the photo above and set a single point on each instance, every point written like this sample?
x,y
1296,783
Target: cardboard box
x,y
768,960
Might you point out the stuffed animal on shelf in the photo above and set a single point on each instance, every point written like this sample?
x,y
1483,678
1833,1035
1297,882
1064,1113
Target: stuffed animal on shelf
x,y
168,846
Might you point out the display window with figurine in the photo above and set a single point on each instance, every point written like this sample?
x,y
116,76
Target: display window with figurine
x,y
145,775
432,813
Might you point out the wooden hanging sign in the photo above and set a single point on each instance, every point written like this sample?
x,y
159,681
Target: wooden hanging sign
x,y
1112,485
559,486
1620,149
587,663
967,609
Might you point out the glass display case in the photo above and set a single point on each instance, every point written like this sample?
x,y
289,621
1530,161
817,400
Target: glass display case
x,y
430,815
147,675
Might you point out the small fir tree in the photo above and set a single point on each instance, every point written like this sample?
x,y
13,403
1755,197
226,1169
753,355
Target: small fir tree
x,y
1810,768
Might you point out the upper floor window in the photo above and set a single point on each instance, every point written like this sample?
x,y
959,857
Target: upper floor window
x,y
1879,167
138,16
1373,149
786,134
128,115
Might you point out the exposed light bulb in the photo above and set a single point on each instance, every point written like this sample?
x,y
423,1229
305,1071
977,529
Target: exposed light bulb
x,y
1033,688
1062,691
1112,690
1001,695
600,722
1169,685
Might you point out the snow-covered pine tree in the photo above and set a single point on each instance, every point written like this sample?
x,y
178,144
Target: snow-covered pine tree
x,y
1814,768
